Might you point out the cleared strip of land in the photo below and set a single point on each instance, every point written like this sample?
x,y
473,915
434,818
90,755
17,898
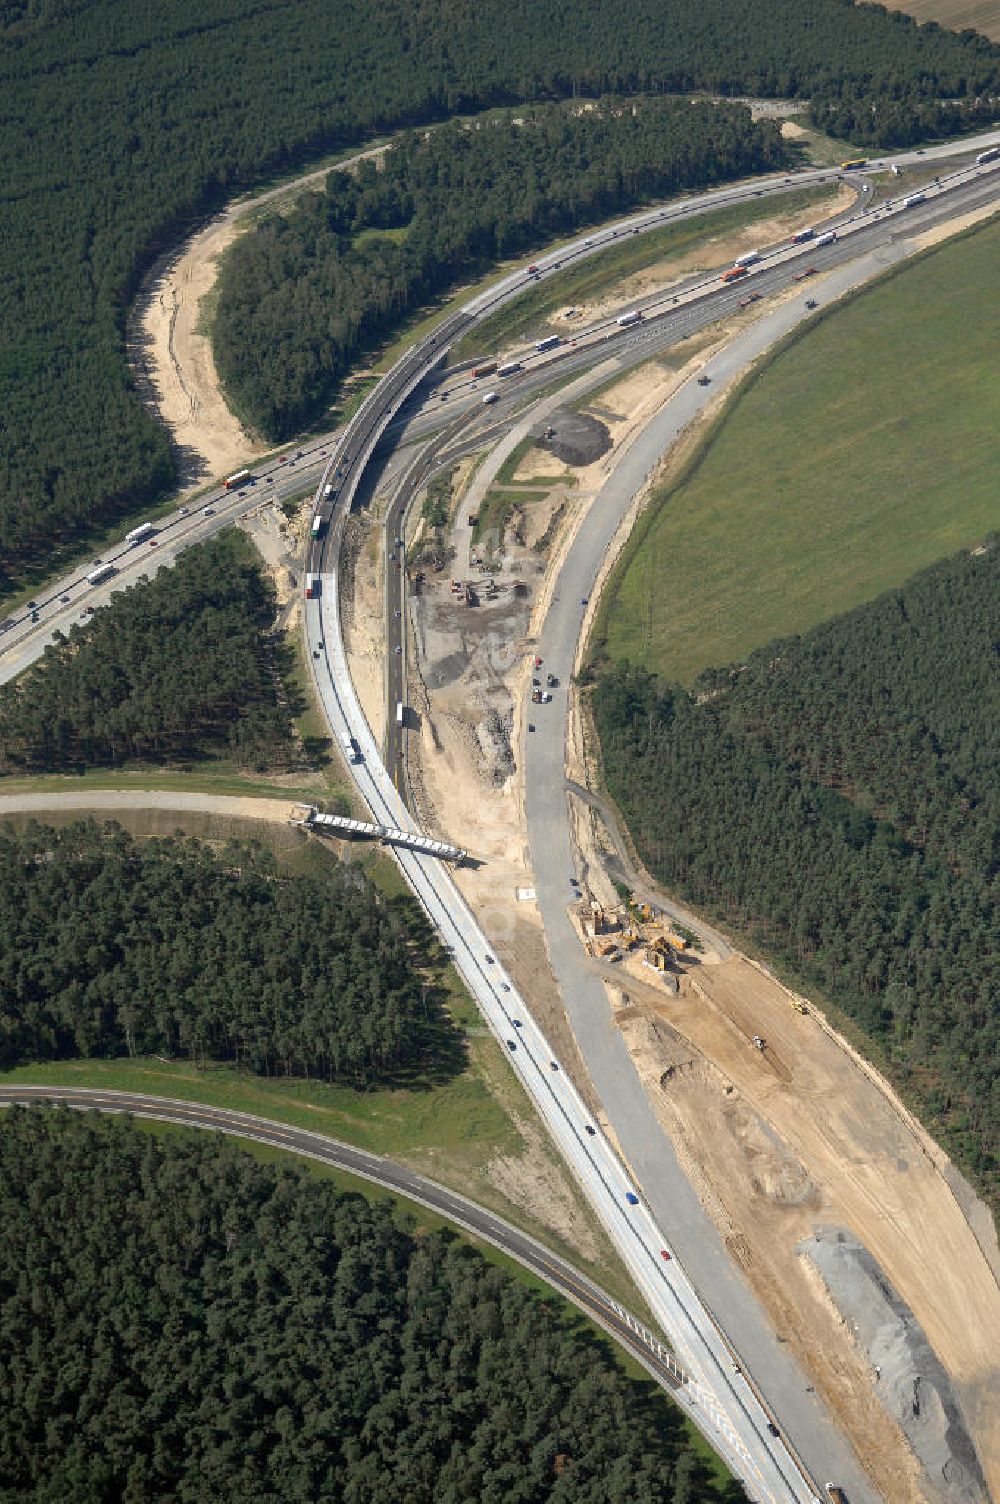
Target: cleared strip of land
x,y
864,451
958,15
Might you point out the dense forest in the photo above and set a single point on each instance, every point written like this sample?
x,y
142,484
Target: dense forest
x,y
179,1322
110,946
130,122
837,798
301,295
181,667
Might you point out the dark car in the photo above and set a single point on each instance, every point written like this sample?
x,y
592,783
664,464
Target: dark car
x,y
773,1428
511,1045
587,1129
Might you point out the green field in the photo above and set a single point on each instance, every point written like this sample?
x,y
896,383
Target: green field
x,y
868,448
542,300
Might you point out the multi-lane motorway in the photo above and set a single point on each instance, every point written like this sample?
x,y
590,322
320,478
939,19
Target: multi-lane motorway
x,y
729,1407
596,1303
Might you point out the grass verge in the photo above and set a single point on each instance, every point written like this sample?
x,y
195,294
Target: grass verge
x,y
864,449
593,277
453,1132
422,1221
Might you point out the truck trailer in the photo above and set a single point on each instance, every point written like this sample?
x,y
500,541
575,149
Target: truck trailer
x,y
140,534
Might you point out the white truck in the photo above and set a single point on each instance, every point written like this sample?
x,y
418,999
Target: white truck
x,y
350,747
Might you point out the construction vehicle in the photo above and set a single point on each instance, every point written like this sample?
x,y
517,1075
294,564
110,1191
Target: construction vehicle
x,y
799,1006
677,941
854,164
836,1493
759,1042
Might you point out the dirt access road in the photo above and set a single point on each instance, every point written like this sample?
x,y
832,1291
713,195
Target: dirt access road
x,y
801,1139
170,353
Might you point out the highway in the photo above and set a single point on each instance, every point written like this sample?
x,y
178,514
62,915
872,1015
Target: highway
x,y
595,1303
733,1409
728,1407
25,632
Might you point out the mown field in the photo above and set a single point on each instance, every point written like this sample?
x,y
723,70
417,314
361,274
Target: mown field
x,y
959,15
866,450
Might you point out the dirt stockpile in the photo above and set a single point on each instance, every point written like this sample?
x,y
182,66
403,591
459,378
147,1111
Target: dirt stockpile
x,y
800,1135
909,1379
575,438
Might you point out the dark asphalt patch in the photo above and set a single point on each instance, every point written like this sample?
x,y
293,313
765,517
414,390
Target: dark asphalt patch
x,y
574,438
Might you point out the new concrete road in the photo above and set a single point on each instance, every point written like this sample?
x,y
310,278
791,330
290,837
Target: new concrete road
x,y
25,633
644,1144
728,1407
594,1302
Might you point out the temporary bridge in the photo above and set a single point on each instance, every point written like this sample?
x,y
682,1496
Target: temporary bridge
x,y
344,825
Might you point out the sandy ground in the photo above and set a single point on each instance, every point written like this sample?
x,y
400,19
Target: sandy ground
x,y
363,613
954,226
469,685
796,1137
171,355
778,1144
713,251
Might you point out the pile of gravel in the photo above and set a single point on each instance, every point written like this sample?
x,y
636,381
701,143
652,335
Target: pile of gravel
x,y
909,1379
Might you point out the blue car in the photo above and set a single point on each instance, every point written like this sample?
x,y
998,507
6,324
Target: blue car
x,y
631,1198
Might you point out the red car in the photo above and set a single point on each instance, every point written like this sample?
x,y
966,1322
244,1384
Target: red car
x,y
664,1254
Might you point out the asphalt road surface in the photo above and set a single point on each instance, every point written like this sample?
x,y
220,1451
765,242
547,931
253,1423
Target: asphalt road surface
x,y
730,1409
615,1319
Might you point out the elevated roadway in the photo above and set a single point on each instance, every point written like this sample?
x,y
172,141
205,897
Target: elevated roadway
x,y
729,1408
